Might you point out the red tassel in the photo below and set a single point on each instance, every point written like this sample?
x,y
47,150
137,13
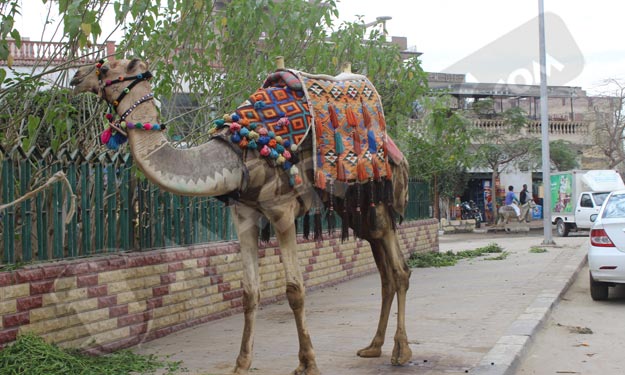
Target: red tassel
x,y
333,118
340,171
351,117
362,170
318,130
389,173
382,121
320,180
366,117
376,168
357,145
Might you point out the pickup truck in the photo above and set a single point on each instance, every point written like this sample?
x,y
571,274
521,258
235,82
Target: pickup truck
x,y
578,194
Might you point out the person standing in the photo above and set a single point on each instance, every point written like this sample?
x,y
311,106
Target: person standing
x,y
524,195
511,201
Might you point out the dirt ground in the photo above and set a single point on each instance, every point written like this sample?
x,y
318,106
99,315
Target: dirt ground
x,y
581,336
454,316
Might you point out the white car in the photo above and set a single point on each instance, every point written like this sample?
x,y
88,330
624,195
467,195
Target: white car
x,y
606,250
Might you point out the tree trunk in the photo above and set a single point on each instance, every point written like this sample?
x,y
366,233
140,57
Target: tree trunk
x,y
436,200
493,192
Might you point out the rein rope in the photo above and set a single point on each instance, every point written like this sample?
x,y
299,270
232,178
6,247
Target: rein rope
x,y
115,133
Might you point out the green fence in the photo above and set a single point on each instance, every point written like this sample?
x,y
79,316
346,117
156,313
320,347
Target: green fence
x,y
115,210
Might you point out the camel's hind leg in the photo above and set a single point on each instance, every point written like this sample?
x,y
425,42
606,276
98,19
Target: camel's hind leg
x,y
388,294
395,277
246,221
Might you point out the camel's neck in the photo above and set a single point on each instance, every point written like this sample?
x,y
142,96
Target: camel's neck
x,y
211,169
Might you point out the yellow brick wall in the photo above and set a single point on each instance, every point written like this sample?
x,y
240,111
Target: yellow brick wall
x,y
117,301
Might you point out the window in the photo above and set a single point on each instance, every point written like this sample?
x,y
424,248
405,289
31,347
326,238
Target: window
x,y
586,201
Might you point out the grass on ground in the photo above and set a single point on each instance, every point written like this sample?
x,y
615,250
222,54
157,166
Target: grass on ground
x,y
450,258
31,355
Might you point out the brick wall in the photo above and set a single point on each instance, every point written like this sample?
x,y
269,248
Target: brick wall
x,y
110,302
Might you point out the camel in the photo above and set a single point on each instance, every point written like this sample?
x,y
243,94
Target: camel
x,y
257,189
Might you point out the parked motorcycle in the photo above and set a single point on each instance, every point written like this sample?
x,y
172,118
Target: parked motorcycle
x,y
469,210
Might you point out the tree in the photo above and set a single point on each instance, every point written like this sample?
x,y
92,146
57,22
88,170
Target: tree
x,y
610,129
563,156
503,145
222,54
437,147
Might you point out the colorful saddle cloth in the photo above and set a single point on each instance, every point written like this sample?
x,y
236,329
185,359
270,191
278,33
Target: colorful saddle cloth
x,y
349,129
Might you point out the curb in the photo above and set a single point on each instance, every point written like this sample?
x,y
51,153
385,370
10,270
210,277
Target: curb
x,y
506,354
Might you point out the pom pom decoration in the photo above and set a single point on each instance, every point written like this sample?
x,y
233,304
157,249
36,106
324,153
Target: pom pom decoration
x,y
262,131
244,132
235,117
235,127
263,140
235,138
265,151
253,136
105,136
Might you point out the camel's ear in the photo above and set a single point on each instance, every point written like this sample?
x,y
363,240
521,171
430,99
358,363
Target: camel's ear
x,y
134,63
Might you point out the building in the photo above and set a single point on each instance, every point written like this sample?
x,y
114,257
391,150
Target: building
x,y
573,117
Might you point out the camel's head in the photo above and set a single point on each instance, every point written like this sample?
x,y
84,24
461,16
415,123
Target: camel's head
x,y
92,78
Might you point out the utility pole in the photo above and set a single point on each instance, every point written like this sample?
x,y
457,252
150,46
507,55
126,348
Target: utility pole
x,y
544,127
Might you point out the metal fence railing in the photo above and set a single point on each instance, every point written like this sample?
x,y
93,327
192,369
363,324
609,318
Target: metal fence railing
x,y
115,210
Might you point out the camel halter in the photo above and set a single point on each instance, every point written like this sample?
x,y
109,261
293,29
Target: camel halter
x,y
114,135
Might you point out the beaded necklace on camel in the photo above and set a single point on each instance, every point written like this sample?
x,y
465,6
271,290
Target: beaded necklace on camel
x,y
114,134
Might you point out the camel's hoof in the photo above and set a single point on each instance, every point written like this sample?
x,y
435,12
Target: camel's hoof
x,y
306,370
370,352
401,353
242,366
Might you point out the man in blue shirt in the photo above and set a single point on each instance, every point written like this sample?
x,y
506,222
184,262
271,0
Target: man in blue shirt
x,y
512,201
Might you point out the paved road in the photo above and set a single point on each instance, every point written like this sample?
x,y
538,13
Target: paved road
x,y
475,317
565,344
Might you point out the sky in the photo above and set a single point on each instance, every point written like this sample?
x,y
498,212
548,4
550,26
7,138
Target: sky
x,y
582,38
488,40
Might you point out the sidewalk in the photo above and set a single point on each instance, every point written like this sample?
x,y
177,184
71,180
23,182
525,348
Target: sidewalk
x,y
476,317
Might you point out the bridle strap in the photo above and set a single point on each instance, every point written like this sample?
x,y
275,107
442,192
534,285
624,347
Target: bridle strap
x,y
143,99
136,79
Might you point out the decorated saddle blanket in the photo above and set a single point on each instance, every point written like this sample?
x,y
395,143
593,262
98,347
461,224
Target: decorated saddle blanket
x,y
349,128
343,113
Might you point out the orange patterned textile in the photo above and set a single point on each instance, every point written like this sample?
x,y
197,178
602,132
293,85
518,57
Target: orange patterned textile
x,y
349,128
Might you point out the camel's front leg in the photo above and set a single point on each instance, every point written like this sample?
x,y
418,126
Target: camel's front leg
x,y
388,293
295,292
246,221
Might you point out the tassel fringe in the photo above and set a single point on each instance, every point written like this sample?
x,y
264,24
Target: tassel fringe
x,y
307,225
